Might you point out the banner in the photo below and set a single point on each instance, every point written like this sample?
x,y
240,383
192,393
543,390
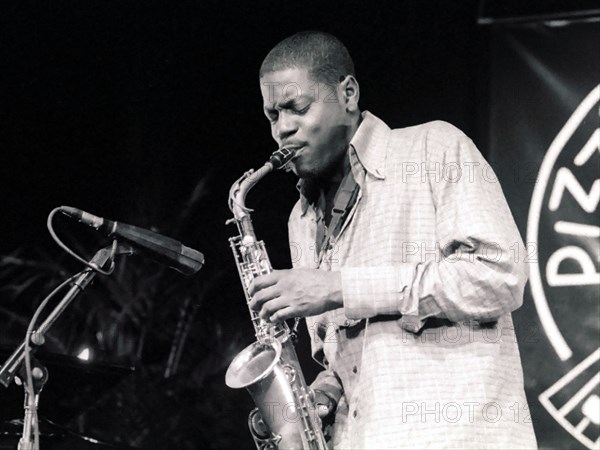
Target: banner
x,y
545,148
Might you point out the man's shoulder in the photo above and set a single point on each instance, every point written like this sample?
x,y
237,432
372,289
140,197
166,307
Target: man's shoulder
x,y
427,140
433,128
378,130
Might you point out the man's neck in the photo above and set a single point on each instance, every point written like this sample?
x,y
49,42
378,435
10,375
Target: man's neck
x,y
340,170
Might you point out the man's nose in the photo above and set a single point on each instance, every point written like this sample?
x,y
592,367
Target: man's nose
x,y
286,127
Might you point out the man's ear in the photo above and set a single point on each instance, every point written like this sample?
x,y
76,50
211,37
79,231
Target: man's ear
x,y
350,92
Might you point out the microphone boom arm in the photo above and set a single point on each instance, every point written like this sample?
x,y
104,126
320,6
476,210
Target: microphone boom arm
x,y
13,364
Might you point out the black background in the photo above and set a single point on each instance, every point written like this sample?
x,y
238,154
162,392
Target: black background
x,y
112,106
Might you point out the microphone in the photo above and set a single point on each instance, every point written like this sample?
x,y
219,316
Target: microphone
x,y
164,249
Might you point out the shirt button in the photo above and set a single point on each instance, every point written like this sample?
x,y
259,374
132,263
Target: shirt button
x,y
355,413
354,369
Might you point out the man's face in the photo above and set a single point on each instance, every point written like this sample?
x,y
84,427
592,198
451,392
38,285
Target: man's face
x,y
307,116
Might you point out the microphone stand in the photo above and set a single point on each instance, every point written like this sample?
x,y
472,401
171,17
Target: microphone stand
x,y
15,362
39,377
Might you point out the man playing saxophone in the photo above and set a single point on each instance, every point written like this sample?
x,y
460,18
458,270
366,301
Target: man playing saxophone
x,y
402,265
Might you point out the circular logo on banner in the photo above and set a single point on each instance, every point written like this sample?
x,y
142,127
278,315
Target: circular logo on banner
x,y
565,280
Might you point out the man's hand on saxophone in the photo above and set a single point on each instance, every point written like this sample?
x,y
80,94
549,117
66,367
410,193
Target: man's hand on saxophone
x,y
325,403
285,294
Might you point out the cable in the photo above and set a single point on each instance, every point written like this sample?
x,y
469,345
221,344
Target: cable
x,y
29,376
62,245
28,382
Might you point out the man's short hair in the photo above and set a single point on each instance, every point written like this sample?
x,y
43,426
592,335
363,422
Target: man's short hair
x,y
323,55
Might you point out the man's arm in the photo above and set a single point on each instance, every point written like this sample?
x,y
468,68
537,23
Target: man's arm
x,y
480,274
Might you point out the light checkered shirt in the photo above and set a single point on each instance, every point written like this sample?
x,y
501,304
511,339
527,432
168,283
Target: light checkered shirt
x,y
432,258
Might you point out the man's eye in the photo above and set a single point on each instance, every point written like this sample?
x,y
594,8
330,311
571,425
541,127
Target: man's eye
x,y
301,110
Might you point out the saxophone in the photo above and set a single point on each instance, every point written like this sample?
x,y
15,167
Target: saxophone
x,y
285,415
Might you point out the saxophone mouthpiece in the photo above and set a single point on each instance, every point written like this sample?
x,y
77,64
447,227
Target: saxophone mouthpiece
x,y
281,157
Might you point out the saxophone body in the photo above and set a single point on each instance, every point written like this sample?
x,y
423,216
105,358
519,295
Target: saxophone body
x,y
285,415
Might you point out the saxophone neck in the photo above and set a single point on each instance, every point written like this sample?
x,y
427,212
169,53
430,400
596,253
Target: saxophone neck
x,y
239,190
237,194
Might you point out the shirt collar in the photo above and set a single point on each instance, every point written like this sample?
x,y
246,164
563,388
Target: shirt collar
x,y
368,146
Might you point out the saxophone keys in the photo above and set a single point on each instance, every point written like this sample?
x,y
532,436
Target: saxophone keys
x,y
290,373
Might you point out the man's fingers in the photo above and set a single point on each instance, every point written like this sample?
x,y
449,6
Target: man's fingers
x,y
263,296
281,315
322,410
269,308
323,403
275,310
264,281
